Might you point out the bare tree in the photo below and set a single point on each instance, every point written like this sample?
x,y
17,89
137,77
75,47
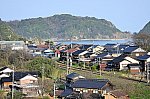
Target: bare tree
x,y
142,40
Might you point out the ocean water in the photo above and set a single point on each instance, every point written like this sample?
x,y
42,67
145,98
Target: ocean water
x,y
96,42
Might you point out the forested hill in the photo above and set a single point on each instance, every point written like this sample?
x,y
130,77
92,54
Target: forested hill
x,y
6,32
66,26
146,29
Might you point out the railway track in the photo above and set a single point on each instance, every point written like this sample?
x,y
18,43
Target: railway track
x,y
63,66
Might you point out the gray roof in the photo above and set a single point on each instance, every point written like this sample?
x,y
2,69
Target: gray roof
x,y
90,83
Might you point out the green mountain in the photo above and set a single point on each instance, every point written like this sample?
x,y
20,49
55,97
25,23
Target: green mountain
x,y
66,26
6,32
146,29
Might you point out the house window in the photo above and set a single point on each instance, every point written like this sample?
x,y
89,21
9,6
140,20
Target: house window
x,y
137,54
95,91
77,89
85,90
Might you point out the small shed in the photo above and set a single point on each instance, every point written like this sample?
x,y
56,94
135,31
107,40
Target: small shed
x,y
116,94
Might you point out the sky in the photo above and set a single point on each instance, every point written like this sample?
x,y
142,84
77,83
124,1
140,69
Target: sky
x,y
126,15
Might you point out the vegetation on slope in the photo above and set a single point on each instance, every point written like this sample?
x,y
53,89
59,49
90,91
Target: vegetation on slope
x,y
66,26
6,32
146,29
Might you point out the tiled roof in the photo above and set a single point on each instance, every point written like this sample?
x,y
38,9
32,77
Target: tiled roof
x,y
144,57
102,55
63,50
85,47
78,52
118,59
72,75
3,68
90,83
108,45
71,50
18,76
123,46
66,92
130,49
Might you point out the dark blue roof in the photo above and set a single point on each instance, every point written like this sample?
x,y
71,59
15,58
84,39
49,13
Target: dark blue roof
x,y
109,45
72,75
102,55
3,68
118,59
123,47
78,52
85,47
31,46
144,57
63,50
94,46
90,83
133,65
130,49
88,54
66,92
18,76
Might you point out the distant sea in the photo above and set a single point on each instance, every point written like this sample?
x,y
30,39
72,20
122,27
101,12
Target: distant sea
x,y
96,42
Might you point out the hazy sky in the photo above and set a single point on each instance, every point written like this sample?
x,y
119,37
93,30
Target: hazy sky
x,y
127,15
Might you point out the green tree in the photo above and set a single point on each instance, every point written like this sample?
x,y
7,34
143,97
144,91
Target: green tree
x,y
17,95
39,63
2,94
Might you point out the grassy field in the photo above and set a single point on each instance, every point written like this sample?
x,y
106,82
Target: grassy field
x,y
136,90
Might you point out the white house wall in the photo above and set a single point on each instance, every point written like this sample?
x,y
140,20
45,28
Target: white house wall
x,y
132,60
7,70
83,53
139,50
148,60
29,77
123,64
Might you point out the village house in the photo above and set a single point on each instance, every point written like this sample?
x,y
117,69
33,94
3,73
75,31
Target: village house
x,y
25,82
76,55
116,94
144,60
63,54
5,70
134,51
135,69
72,77
121,62
13,45
115,49
88,88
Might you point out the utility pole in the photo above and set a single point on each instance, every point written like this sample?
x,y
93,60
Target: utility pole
x,y
70,57
117,49
43,79
148,73
99,62
67,62
54,89
12,96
